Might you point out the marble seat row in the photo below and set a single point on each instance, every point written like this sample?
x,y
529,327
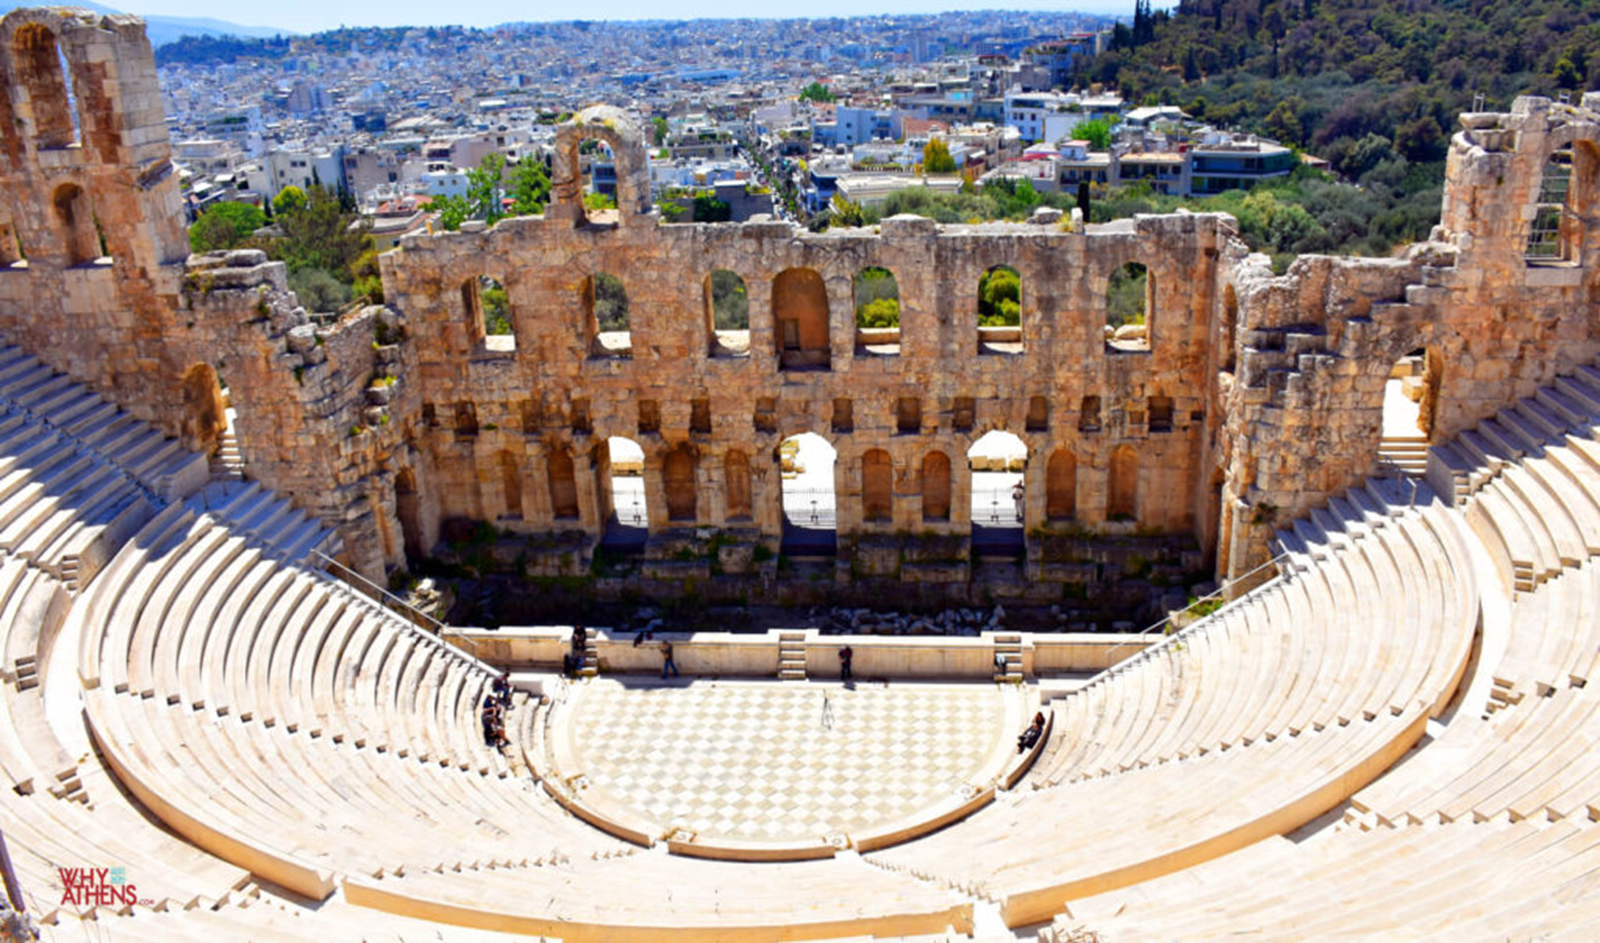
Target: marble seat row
x,y
1317,646
1495,879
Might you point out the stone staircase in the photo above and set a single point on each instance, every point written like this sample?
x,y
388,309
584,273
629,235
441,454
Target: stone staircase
x,y
1008,658
589,667
227,464
791,656
1404,454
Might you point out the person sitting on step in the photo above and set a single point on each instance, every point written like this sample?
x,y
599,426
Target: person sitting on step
x,y
1032,734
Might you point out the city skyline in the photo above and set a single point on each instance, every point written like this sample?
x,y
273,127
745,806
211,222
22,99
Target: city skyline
x,y
306,16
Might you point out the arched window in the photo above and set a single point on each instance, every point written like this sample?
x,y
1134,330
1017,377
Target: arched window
x,y
77,224
563,485
510,486
1000,311
727,314
1122,491
10,248
877,300
1160,417
677,472
806,495
877,486
43,75
936,487
1130,304
800,315
736,484
1550,238
1089,414
489,311
1061,486
606,306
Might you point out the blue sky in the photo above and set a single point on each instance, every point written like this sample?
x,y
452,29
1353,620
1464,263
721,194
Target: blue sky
x,y
313,15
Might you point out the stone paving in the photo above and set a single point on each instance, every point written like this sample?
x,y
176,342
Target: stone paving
x,y
765,761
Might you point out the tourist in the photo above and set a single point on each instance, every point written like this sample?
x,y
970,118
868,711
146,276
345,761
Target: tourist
x,y
667,664
1016,496
580,640
846,656
494,733
1032,734
502,690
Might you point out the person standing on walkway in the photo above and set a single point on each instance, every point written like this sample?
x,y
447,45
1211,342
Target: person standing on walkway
x,y
1017,496
846,656
667,664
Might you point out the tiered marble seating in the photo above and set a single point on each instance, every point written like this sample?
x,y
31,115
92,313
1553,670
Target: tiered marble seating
x,y
1495,879
77,474
1529,479
1317,647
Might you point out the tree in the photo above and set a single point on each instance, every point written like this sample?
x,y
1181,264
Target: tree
x,y
709,209
320,235
1000,298
453,211
846,212
318,290
530,187
936,157
288,200
659,124
225,225
484,189
816,92
1096,132
879,313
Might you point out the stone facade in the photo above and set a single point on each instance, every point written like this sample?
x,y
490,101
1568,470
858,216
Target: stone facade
x,y
1251,399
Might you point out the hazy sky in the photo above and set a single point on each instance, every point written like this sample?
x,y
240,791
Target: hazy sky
x,y
314,15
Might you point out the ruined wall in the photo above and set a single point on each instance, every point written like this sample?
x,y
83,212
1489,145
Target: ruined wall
x,y
391,421
1304,409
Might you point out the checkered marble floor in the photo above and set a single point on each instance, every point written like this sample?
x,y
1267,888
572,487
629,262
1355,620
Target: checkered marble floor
x,y
771,761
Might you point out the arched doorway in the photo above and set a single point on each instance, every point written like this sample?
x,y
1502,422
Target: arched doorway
x,y
810,518
936,487
563,485
998,461
877,487
1061,486
1410,396
736,485
628,527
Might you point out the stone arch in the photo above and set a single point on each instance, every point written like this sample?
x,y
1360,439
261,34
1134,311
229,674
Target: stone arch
x,y
408,508
613,127
736,485
41,73
75,218
800,315
10,144
1130,307
877,487
205,412
936,487
510,469
561,479
1122,488
678,480
727,314
1061,486
1000,297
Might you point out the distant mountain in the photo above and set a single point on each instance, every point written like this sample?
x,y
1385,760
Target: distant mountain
x,y
167,29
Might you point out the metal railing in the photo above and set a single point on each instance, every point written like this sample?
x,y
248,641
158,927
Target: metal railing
x,y
1112,668
413,617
